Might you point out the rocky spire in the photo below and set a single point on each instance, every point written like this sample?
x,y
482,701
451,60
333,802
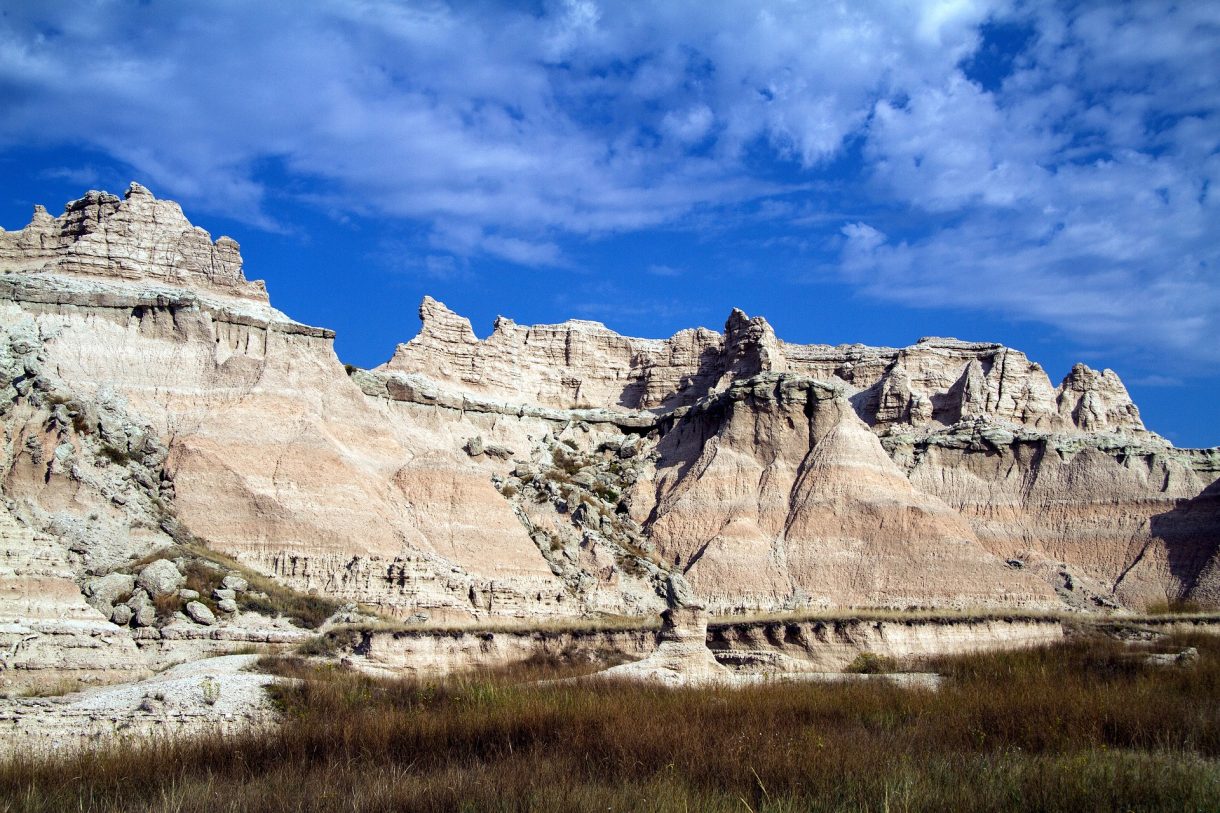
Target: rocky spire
x,y
1096,401
443,326
136,238
750,348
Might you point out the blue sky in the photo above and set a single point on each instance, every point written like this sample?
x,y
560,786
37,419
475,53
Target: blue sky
x,y
1038,174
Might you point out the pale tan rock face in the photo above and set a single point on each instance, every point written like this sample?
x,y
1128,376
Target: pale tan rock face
x,y
1126,509
437,486
570,365
274,454
135,238
936,382
831,646
48,633
778,494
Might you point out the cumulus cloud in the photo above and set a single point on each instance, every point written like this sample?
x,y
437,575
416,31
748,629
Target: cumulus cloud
x,y
1075,189
1077,194
580,118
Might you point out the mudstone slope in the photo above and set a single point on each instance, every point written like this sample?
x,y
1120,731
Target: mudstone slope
x,y
151,392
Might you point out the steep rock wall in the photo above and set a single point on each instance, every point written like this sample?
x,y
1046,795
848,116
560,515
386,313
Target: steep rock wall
x,y
274,454
581,364
776,493
775,475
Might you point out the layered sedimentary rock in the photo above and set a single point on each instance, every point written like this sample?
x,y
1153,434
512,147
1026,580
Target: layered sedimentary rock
x,y
776,488
48,633
138,238
832,645
581,363
151,392
1061,485
205,697
274,455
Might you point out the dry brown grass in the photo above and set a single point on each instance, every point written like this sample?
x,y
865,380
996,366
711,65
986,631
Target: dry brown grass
x,y
1080,726
1154,616
167,605
55,688
1176,607
911,616
524,626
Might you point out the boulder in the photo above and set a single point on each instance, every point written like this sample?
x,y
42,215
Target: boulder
x,y
497,451
160,578
227,605
145,616
1187,657
104,591
200,614
188,595
235,583
223,595
121,615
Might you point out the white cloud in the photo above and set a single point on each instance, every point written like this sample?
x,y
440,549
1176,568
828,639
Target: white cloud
x,y
1078,193
1158,381
688,126
577,119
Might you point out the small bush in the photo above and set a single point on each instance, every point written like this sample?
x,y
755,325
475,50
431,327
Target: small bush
x,y
57,688
322,646
870,663
210,688
303,610
167,605
257,603
201,578
606,493
120,457
632,565
80,422
1174,607
569,464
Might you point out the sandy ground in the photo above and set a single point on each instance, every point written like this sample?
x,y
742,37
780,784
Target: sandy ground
x,y
205,695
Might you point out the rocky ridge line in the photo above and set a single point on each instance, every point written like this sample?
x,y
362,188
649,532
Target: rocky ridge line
x,y
477,477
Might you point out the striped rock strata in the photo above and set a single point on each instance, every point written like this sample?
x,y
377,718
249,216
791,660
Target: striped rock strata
x,y
561,470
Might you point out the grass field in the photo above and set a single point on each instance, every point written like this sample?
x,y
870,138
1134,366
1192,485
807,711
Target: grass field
x,y
1081,726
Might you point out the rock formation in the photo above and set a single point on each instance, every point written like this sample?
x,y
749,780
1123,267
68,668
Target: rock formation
x,y
150,393
681,656
48,632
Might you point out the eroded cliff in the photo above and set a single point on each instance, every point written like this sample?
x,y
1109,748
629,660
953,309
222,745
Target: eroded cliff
x,y
560,470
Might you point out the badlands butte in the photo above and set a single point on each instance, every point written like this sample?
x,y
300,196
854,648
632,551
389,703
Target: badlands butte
x,y
152,396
